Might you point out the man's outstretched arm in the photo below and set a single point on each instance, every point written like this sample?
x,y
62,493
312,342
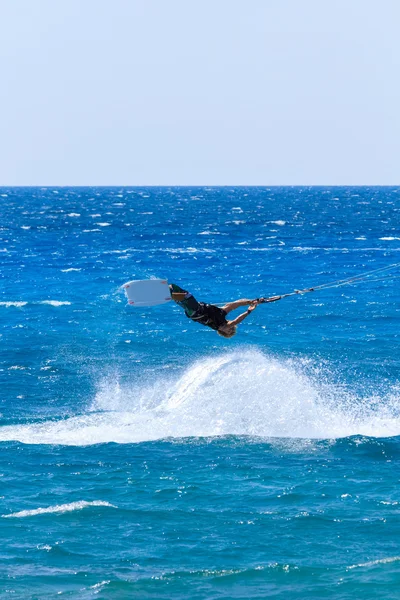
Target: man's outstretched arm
x,y
237,304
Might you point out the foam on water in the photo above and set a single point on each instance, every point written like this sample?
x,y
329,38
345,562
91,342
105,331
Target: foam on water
x,y
239,393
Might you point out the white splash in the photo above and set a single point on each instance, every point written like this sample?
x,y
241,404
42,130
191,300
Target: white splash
x,y
237,393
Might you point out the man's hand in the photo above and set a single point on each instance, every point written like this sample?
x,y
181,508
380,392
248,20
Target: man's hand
x,y
252,305
271,299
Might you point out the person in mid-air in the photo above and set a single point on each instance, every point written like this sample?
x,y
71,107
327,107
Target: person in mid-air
x,y
211,315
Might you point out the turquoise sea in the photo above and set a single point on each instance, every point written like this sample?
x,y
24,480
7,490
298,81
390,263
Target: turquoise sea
x,y
142,455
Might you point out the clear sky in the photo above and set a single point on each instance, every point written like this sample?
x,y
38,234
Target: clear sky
x,y
210,92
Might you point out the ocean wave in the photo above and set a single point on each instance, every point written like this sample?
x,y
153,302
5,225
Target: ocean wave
x,y
58,508
243,393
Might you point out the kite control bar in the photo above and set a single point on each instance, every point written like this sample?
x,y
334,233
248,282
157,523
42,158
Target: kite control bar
x,y
275,298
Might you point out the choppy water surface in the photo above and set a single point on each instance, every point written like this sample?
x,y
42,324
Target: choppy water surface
x,y
143,456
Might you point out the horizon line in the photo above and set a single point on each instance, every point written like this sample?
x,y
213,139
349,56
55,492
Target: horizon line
x,y
224,185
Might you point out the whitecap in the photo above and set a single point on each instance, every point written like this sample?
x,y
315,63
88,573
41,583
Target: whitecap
x,y
58,508
9,303
55,302
101,584
379,561
71,269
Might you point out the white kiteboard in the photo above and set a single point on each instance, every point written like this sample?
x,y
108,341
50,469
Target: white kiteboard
x,y
147,292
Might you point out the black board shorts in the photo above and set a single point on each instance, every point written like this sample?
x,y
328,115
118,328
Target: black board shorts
x,y
205,314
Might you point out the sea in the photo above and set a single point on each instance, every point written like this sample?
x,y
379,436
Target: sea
x,y
144,456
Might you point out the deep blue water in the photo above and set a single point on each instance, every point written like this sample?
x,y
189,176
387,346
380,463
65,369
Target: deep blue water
x,y
144,456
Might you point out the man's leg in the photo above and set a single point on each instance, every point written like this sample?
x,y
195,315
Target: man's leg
x,y
184,299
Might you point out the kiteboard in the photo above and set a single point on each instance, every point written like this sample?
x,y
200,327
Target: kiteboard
x,y
147,292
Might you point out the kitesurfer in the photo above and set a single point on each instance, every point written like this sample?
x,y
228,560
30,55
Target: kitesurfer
x,y
214,316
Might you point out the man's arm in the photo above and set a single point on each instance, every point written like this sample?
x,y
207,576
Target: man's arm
x,y
242,317
237,304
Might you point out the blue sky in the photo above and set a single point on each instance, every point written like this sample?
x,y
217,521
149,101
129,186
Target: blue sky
x,y
217,92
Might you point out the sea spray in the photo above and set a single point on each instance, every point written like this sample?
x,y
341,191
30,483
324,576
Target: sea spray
x,y
246,393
